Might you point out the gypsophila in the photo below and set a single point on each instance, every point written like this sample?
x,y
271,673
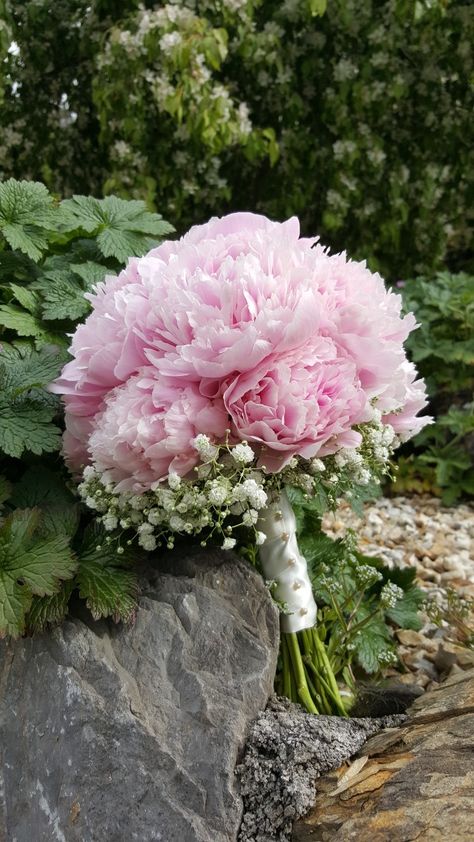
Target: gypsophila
x,y
225,490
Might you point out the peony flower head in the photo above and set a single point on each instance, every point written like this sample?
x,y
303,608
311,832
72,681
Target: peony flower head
x,y
241,325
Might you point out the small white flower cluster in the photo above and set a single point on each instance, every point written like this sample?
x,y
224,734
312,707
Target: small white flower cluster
x,y
338,474
227,491
226,494
390,595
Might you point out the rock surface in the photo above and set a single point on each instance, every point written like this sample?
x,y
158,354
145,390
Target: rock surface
x,y
287,750
411,782
112,734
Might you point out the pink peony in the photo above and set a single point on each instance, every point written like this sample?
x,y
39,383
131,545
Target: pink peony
x,y
145,430
239,324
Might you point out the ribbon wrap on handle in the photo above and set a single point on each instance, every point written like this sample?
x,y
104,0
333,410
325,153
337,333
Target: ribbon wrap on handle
x,y
283,563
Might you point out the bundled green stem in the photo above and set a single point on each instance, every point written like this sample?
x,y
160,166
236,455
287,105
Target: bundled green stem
x,y
307,676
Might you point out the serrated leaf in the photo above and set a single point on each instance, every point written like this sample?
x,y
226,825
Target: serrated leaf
x,y
26,214
47,611
25,238
25,426
123,228
90,272
24,323
372,640
62,299
406,611
31,370
368,649
108,588
30,563
26,297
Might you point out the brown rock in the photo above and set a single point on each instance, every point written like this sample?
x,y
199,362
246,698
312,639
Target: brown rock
x,y
417,781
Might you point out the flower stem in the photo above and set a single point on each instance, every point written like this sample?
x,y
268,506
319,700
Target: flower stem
x,y
300,676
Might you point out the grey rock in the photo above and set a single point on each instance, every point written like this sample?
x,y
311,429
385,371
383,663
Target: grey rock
x,y
287,750
118,734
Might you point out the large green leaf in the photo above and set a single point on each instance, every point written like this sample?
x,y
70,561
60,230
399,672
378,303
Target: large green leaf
x,y
31,562
26,214
123,228
50,610
110,590
25,425
31,370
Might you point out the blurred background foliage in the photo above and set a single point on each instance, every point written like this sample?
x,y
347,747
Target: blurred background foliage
x,y
356,116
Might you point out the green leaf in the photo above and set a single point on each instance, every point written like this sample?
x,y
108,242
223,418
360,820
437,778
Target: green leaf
x,y
47,611
406,612
26,297
372,642
24,323
26,214
123,228
31,562
62,298
31,370
108,588
90,272
25,425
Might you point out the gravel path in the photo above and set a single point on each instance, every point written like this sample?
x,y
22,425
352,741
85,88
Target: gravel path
x,y
439,543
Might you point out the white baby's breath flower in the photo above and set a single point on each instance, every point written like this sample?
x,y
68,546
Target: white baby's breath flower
x,y
217,493
260,538
204,447
250,517
148,542
174,481
254,493
154,517
243,453
110,522
145,529
229,543
317,466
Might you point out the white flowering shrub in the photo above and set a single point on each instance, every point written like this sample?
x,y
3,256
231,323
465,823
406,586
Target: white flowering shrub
x,y
358,120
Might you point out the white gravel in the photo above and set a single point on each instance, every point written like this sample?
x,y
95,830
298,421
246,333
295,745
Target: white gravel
x,y
439,543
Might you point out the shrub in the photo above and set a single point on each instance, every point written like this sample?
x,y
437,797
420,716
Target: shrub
x,y
358,120
441,458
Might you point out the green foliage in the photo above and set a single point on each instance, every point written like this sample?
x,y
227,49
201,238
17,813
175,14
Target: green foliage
x,y
33,561
103,579
441,458
357,612
48,554
51,254
355,116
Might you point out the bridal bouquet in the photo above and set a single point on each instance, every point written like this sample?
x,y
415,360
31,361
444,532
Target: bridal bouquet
x,y
218,371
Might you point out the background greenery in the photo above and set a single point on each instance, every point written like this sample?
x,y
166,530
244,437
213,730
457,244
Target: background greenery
x,y
356,117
